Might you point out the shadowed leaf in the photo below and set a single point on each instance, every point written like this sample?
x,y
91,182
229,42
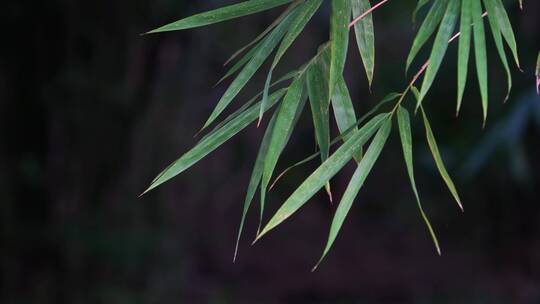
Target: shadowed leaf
x,y
464,50
365,37
339,40
480,53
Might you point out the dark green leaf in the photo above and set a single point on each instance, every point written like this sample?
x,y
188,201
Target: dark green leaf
x,y
339,40
480,53
464,50
365,37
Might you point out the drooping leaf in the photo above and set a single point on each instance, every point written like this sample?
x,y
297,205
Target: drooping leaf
x,y
497,38
365,37
357,181
221,14
438,159
506,28
339,40
419,5
480,53
265,32
464,50
440,45
324,173
255,178
285,121
404,124
344,112
266,47
210,143
427,28
306,11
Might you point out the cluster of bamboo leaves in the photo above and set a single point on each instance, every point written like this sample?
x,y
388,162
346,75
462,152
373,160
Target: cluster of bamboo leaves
x,y
319,85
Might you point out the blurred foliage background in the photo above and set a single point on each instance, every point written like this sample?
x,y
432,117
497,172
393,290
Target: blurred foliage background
x,y
91,111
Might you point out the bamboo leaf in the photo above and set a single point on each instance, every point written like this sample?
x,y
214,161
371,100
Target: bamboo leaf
x,y
365,37
480,53
221,14
440,46
324,173
251,67
285,121
357,181
506,28
306,11
344,112
255,178
404,124
496,31
464,50
209,144
438,159
419,5
427,28
339,40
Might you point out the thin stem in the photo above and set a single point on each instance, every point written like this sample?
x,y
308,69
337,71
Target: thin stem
x,y
366,13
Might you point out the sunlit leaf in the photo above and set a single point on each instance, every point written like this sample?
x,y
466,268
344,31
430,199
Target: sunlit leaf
x,y
365,37
404,124
324,173
440,46
357,181
221,14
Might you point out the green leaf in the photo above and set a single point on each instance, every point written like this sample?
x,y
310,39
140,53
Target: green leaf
x,y
357,181
339,40
506,28
427,28
251,67
285,121
406,143
365,37
344,112
496,31
317,84
438,160
265,32
464,50
306,11
324,173
419,6
256,176
480,53
221,14
240,63
212,142
440,45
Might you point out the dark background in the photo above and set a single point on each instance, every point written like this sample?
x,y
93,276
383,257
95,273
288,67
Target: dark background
x,y
91,112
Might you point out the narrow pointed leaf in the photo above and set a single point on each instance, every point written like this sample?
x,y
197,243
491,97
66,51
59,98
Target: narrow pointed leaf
x,y
306,11
438,160
285,122
480,53
357,181
464,50
212,142
406,143
365,36
440,45
419,5
339,40
255,178
221,14
344,112
497,38
506,28
324,173
427,28
251,67
317,85
265,32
